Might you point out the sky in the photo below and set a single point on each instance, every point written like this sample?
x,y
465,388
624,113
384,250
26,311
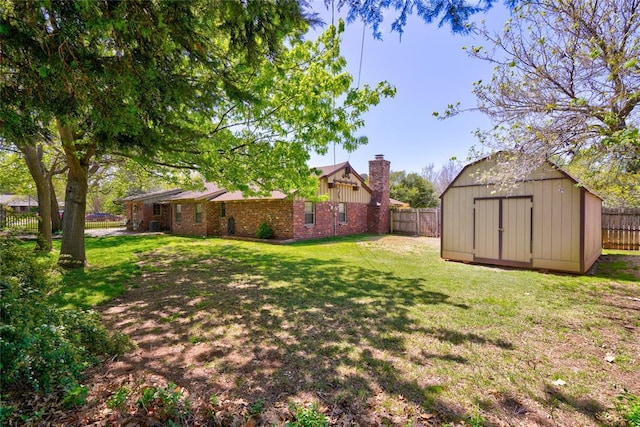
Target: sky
x,y
430,70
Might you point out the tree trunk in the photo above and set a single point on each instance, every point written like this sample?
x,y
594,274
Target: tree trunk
x,y
72,249
56,221
33,158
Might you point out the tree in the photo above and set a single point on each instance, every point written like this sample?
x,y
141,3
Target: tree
x,y
455,13
42,166
203,85
441,178
618,188
566,81
413,189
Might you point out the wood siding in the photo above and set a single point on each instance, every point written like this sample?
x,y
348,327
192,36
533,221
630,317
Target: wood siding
x,y
342,190
547,222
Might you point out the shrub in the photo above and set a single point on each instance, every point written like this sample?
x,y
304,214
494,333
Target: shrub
x,y
43,346
264,231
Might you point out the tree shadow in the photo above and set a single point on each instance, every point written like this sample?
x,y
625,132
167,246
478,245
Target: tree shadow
x,y
587,406
255,325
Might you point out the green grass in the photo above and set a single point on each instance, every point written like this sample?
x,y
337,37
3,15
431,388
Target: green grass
x,y
383,324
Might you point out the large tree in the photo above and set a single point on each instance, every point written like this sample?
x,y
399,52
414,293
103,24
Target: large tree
x,y
413,189
226,87
566,81
441,178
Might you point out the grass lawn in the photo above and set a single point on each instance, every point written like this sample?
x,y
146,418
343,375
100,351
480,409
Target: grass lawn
x,y
374,330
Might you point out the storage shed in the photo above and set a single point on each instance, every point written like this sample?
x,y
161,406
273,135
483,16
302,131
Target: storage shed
x,y
548,222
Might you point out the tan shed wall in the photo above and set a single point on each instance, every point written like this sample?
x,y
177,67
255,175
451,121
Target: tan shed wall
x,y
592,230
556,220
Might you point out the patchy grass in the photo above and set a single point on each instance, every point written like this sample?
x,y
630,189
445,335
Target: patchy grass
x,y
366,330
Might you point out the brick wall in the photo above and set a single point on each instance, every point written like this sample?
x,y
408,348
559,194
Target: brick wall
x,y
187,226
326,224
379,214
249,214
212,218
145,214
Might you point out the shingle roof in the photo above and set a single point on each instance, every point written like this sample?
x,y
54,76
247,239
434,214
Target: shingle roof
x,y
17,200
152,195
211,191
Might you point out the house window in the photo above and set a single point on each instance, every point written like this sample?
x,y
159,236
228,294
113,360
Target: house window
x,y
342,213
223,209
178,213
156,209
198,216
309,213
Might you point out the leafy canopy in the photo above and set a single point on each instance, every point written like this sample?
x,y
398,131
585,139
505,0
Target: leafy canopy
x,y
566,84
413,189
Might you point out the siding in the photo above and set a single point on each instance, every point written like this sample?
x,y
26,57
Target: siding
x,y
550,222
343,192
592,230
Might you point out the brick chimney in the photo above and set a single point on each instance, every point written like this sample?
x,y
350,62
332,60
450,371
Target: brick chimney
x,y
378,214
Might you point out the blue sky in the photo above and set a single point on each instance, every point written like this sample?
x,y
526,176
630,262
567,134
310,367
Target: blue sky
x,y
429,70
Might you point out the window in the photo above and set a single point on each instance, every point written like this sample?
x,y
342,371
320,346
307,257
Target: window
x,y
156,209
309,213
198,213
342,213
223,209
178,213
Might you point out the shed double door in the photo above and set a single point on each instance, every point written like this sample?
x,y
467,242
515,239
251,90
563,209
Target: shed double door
x,y
502,230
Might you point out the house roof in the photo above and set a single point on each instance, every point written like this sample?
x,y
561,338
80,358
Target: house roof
x,y
214,192
17,200
548,162
152,195
237,195
330,170
210,192
394,202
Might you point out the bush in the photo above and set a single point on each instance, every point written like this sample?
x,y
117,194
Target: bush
x,y
43,346
264,231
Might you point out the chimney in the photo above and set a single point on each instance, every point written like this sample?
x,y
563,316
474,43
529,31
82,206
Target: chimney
x,y
378,211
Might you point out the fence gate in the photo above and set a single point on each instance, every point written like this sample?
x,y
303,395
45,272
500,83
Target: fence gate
x,y
416,222
621,228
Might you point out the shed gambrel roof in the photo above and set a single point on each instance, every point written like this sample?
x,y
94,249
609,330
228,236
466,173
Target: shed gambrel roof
x,y
492,156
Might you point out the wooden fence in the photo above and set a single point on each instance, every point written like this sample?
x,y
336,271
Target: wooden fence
x,y
621,228
416,222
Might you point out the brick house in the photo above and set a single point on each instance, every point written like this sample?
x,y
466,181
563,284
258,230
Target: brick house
x,y
351,207
149,211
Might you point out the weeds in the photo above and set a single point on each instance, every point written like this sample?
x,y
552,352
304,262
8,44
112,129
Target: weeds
x,y
118,399
306,416
167,404
629,405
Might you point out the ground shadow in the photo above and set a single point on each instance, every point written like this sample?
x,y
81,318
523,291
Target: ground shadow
x,y
250,325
